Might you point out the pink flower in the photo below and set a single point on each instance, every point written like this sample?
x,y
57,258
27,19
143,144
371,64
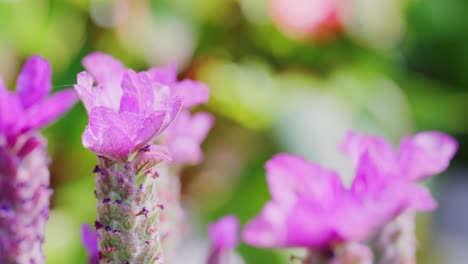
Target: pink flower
x,y
223,235
89,238
308,208
185,136
311,208
127,110
30,108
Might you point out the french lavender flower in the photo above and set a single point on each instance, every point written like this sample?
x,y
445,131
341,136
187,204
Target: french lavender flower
x,y
223,235
418,157
24,174
310,208
183,139
127,111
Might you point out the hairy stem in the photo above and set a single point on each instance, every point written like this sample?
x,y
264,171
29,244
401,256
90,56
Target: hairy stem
x,y
128,214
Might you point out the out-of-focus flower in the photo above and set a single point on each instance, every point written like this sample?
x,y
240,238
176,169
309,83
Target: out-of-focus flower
x,y
127,110
185,136
24,176
89,238
306,18
224,237
310,207
30,108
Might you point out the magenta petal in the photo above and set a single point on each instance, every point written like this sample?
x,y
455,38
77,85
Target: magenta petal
x,y
103,67
192,92
151,127
34,81
224,233
268,229
309,225
173,106
110,142
140,87
164,75
46,111
11,110
89,238
426,154
290,176
355,145
420,199
201,124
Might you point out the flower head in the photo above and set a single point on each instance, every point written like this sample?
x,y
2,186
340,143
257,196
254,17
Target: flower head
x,y
127,110
29,108
311,208
308,207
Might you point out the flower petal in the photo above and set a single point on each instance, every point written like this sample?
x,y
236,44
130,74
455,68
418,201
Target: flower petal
x,y
268,229
291,177
192,92
224,233
166,75
34,81
425,154
89,239
46,111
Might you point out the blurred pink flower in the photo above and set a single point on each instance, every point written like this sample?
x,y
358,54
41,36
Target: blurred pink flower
x,y
311,208
224,237
30,108
185,136
89,238
317,19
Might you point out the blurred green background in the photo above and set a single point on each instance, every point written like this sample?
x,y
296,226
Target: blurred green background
x,y
391,67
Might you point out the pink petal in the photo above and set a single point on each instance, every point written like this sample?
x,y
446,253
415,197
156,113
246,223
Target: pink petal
x,y
201,124
291,177
34,81
46,111
425,154
165,75
192,92
224,233
268,229
109,142
103,67
11,109
139,86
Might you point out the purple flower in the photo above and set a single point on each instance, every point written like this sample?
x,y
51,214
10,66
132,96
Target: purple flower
x,y
185,136
308,208
30,108
311,208
192,92
24,174
223,235
89,238
127,110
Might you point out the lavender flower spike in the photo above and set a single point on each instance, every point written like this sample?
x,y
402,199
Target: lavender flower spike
x,y
24,174
223,235
127,111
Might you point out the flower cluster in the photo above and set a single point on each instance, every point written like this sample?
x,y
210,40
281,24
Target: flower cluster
x,y
311,208
24,174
